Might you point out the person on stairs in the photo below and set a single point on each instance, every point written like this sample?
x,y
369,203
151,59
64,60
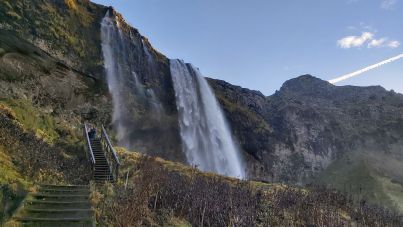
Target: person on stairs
x,y
92,133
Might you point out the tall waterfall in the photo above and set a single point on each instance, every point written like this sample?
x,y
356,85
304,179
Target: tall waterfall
x,y
110,48
124,57
206,138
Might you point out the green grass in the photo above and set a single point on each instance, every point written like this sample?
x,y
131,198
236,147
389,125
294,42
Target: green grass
x,y
32,118
14,15
357,175
13,186
70,27
8,171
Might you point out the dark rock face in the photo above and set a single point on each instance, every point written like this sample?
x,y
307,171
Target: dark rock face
x,y
144,88
297,132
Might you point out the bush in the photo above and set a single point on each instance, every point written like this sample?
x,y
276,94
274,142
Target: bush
x,y
157,194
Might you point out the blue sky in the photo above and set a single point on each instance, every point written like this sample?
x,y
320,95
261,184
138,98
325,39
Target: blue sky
x,y
259,44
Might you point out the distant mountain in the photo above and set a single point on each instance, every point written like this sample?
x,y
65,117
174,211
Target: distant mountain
x,y
311,131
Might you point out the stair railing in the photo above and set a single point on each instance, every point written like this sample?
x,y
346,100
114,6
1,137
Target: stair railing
x,y
90,153
110,154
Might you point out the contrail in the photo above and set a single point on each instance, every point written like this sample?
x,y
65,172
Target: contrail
x,y
356,73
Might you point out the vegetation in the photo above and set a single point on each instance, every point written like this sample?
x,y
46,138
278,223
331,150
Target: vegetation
x,y
159,191
63,26
26,160
360,176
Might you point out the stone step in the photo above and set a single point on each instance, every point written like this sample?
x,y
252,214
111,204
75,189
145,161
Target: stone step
x,y
51,186
51,195
52,224
41,213
39,204
65,191
59,210
60,197
65,222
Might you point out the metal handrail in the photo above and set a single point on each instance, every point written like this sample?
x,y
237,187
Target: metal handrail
x,y
110,145
110,154
89,144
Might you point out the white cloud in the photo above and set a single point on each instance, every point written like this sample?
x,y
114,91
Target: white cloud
x,y
394,44
368,39
377,43
382,42
388,4
355,41
385,4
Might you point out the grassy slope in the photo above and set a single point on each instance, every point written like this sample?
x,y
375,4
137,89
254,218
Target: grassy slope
x,y
25,159
360,175
61,28
171,191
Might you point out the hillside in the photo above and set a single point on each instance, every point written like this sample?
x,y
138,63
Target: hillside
x,y
310,131
153,191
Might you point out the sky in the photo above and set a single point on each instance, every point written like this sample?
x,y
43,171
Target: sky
x,y
259,44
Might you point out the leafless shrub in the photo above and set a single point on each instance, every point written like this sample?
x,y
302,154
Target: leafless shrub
x,y
156,194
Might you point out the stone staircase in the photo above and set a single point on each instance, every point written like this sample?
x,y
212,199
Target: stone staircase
x,y
101,168
53,205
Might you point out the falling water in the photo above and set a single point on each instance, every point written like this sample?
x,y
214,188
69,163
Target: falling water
x,y
206,138
121,63
110,36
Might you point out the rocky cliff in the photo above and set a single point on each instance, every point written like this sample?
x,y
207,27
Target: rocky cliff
x,y
311,131
308,131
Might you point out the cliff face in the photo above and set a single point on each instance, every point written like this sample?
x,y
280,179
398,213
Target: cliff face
x,y
308,131
68,34
311,131
310,122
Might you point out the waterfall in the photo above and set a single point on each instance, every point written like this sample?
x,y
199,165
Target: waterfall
x,y
123,61
110,48
206,138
